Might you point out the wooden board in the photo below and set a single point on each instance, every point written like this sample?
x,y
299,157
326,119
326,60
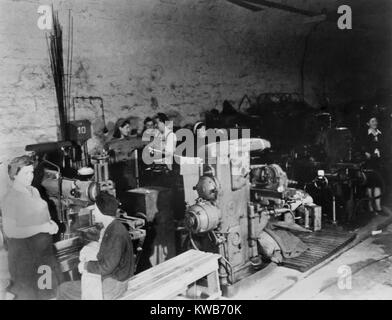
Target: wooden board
x,y
172,277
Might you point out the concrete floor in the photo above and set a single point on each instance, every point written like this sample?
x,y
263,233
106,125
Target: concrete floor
x,y
370,266
363,271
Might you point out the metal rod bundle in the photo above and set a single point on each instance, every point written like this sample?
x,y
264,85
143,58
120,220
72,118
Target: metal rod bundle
x,y
62,81
69,62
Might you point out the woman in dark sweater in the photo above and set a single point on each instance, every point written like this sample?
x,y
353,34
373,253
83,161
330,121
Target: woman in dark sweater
x,y
373,150
122,129
115,260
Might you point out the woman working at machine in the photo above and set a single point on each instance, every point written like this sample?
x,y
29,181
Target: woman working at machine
x,y
28,228
122,129
374,153
123,166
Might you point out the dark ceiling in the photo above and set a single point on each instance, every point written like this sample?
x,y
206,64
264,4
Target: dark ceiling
x,y
369,16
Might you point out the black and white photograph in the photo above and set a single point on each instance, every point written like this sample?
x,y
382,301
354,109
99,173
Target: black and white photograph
x,y
195,154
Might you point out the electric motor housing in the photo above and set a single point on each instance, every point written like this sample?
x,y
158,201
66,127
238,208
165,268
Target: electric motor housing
x,y
74,189
202,217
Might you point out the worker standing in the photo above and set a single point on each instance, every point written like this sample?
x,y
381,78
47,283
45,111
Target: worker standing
x,y
167,141
28,228
374,152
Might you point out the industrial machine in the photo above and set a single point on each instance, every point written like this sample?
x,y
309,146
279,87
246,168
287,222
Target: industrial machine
x,y
73,196
74,199
235,202
340,189
333,172
155,205
124,162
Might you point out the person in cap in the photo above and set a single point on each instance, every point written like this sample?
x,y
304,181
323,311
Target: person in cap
x,y
28,230
115,259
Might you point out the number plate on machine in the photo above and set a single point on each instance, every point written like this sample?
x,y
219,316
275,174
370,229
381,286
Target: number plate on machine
x,y
80,130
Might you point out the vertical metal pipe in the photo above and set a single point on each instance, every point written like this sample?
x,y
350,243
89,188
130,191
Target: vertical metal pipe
x,y
106,170
99,171
223,274
137,169
251,230
96,172
333,210
307,217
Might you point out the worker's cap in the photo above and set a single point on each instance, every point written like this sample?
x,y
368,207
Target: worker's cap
x,y
107,204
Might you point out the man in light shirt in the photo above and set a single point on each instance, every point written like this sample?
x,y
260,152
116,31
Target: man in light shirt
x,y
166,142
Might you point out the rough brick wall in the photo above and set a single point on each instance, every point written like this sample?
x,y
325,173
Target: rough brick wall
x,y
182,57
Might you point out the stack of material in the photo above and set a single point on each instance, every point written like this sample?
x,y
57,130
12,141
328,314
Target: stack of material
x,y
62,81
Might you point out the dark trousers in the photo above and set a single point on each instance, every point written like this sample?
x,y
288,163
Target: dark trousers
x,y
35,272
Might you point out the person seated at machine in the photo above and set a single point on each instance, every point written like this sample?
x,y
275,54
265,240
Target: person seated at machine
x,y
164,145
122,129
115,259
373,150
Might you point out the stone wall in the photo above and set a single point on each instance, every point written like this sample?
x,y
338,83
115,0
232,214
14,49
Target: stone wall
x,y
182,57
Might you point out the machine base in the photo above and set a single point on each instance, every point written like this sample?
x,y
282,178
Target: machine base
x,y
246,278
